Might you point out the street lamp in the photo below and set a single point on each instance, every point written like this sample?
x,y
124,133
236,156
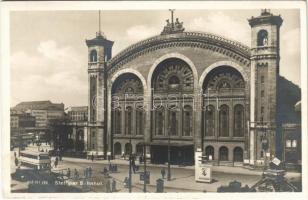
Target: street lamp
x,y
130,166
145,168
169,171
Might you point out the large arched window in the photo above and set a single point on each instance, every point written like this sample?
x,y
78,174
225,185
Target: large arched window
x,y
209,121
223,154
159,121
224,121
238,121
128,121
187,121
117,121
93,56
262,38
139,121
173,121
172,75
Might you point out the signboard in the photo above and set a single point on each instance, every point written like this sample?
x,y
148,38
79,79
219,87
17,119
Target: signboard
x,y
203,173
147,177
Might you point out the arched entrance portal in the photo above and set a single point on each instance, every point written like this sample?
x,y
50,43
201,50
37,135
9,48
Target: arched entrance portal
x,y
238,154
172,77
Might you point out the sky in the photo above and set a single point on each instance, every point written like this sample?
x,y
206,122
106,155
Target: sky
x,y
49,54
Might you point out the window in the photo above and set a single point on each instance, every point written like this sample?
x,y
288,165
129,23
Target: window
x,y
262,93
128,120
209,121
262,154
139,121
159,121
187,121
224,121
173,121
262,79
93,56
93,134
117,121
288,143
262,109
262,38
238,121
294,143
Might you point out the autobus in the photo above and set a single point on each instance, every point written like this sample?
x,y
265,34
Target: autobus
x,y
35,160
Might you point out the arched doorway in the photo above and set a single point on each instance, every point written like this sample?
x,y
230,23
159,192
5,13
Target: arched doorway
x,y
238,154
209,152
128,148
223,154
117,149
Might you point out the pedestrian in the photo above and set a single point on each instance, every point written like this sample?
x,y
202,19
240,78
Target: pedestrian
x,y
90,171
105,171
125,183
133,164
140,159
113,186
68,173
109,158
16,161
108,186
15,154
85,172
163,173
56,162
76,175
92,157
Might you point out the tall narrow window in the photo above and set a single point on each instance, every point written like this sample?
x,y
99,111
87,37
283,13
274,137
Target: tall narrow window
x,y
139,121
128,121
209,121
159,121
173,121
187,121
224,121
93,56
238,121
262,38
117,122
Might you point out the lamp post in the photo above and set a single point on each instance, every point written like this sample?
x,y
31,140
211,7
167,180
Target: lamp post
x,y
145,168
130,167
169,171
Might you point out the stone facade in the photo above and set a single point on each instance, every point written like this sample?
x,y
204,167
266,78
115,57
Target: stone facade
x,y
225,91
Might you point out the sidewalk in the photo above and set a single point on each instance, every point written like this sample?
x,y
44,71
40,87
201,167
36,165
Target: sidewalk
x,y
225,169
